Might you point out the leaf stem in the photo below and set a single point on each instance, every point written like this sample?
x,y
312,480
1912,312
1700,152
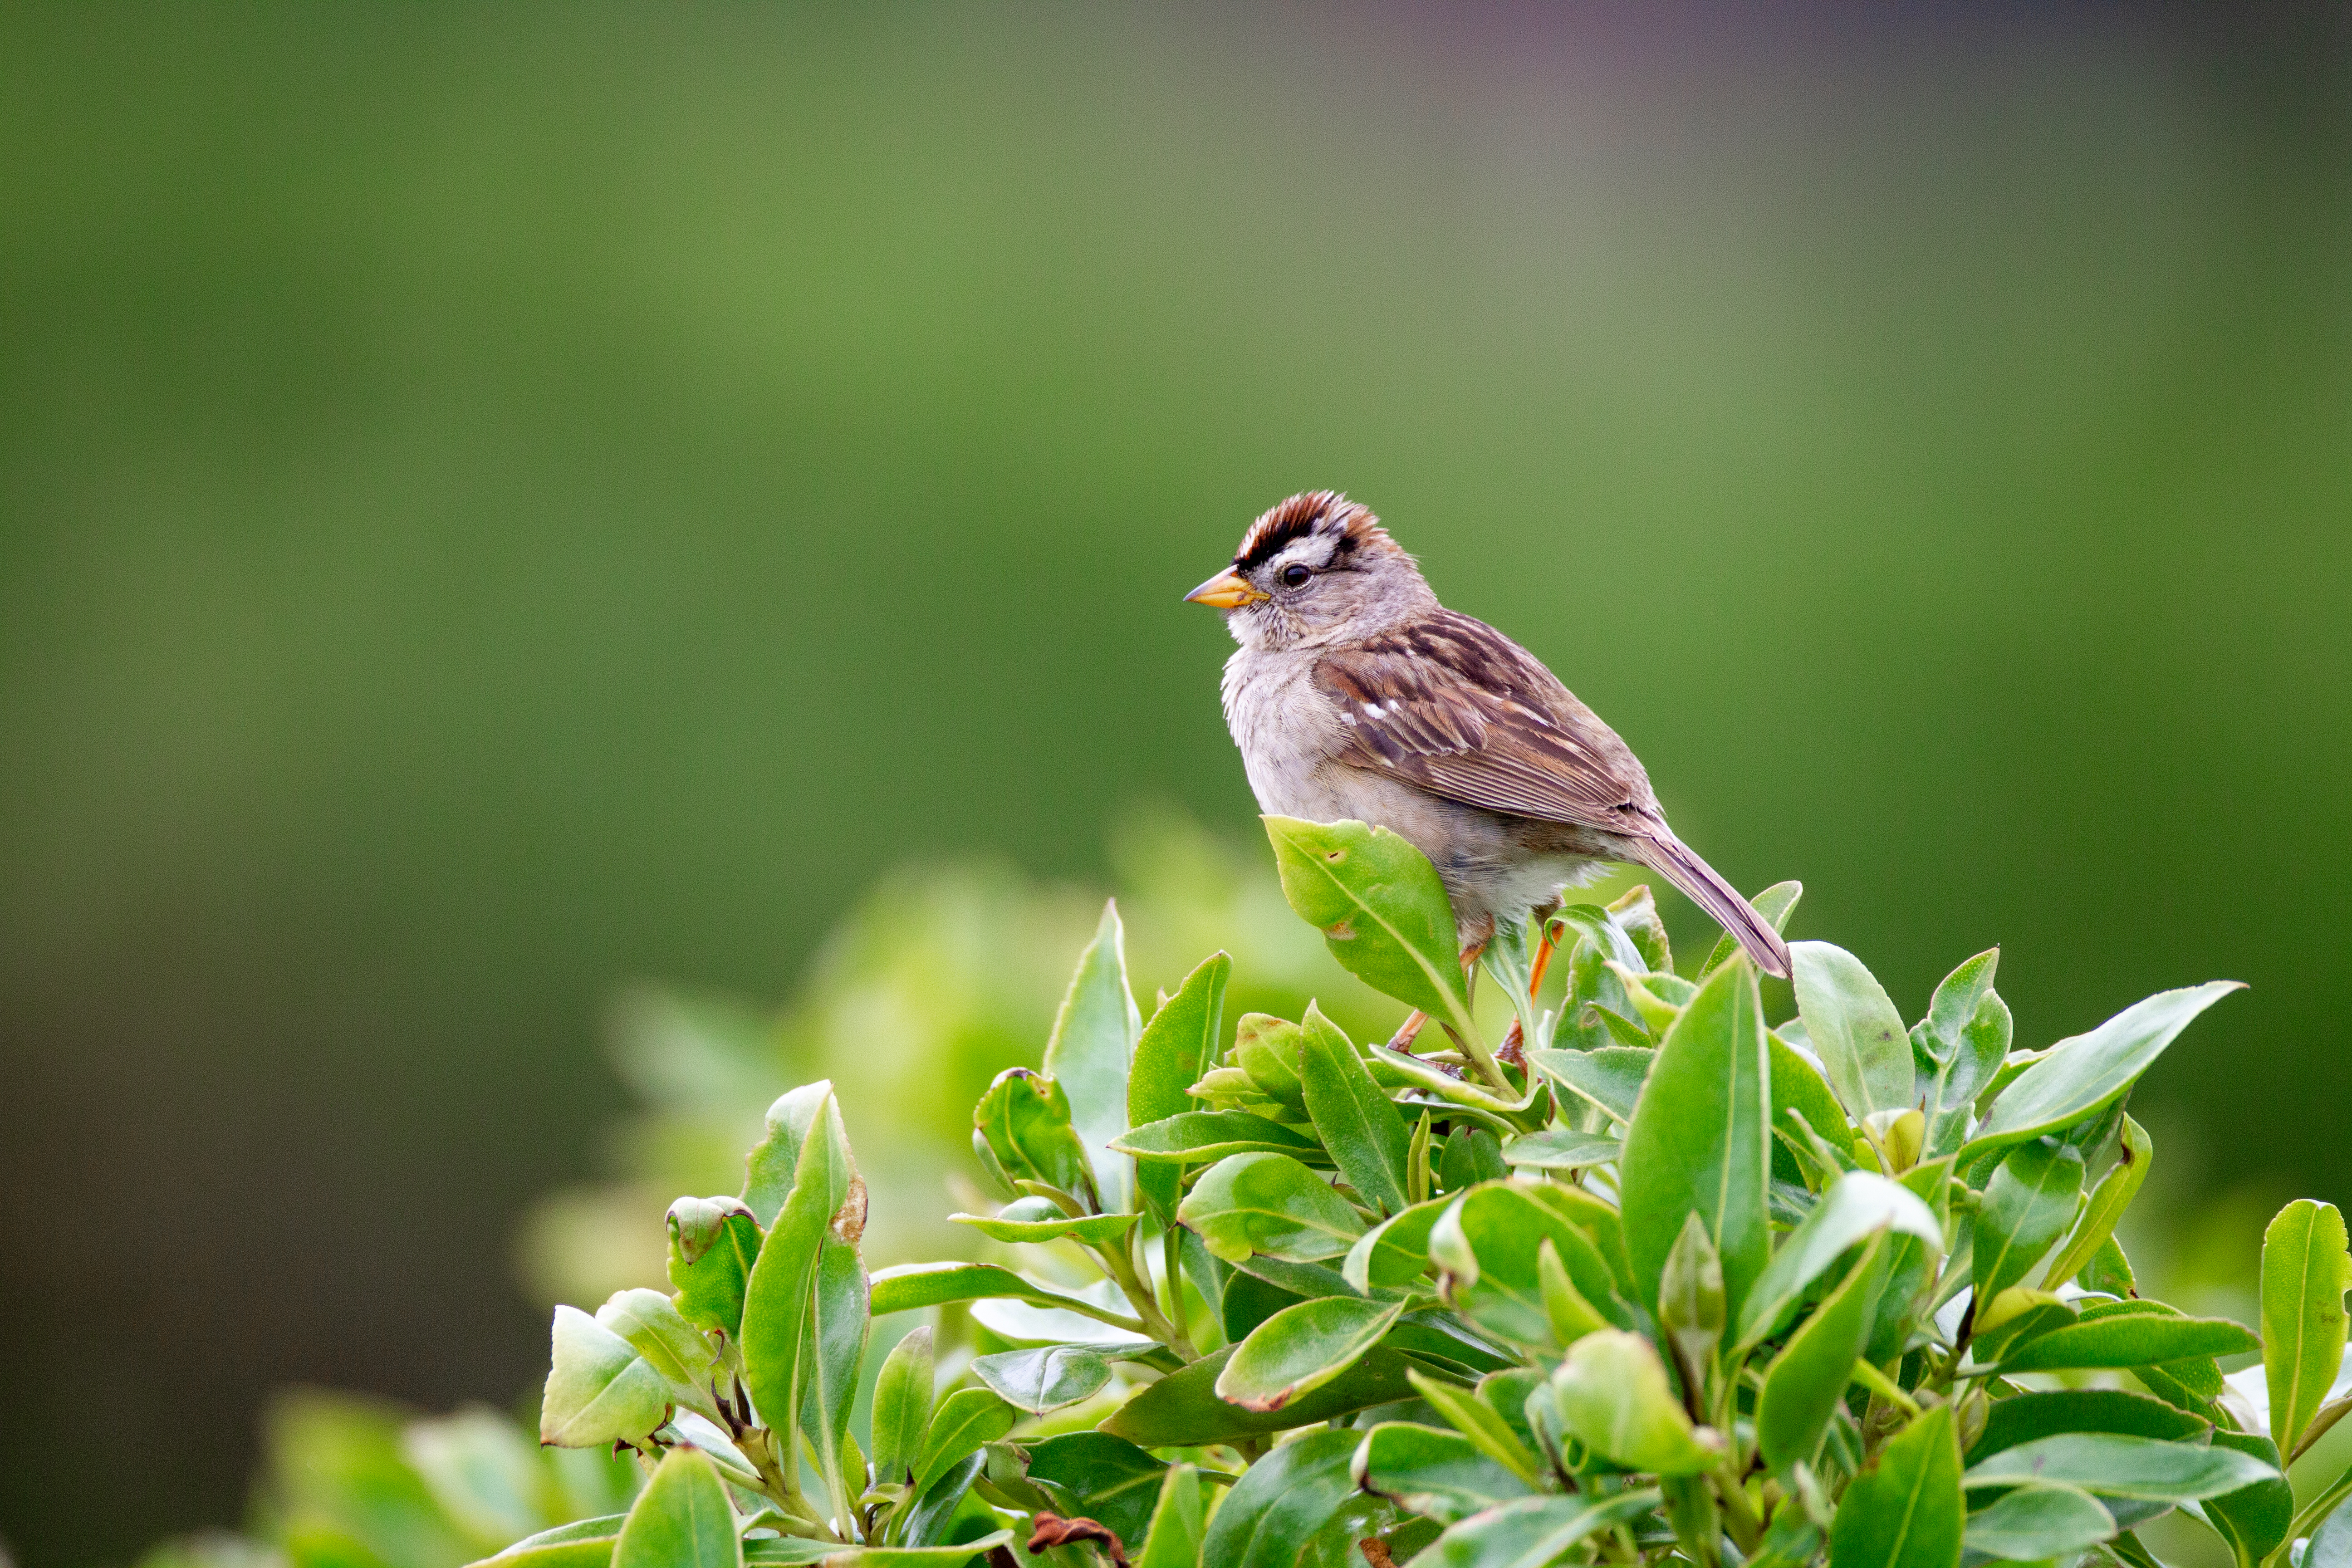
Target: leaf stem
x,y
1879,1384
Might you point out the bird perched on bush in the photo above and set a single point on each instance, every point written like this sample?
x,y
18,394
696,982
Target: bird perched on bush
x,y
1355,694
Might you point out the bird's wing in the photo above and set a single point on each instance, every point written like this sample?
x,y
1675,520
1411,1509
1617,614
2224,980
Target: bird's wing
x,y
1454,706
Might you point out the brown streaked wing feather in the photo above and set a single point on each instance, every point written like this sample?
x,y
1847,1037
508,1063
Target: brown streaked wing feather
x,y
1454,706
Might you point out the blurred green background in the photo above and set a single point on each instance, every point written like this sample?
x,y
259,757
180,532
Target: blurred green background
x,y
497,504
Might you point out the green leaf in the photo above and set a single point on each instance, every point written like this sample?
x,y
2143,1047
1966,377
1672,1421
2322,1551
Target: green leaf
x,y
713,1242
671,1346
835,1349
1044,1379
1025,1118
1088,1052
1176,1048
2089,1072
772,1166
2331,1541
1501,1438
1854,1028
932,1515
1967,1032
1807,1380
1857,1205
1614,1396
2130,1340
2027,1205
1798,1085
1173,1537
1698,1142
2114,1464
1395,1252
2035,1524
1905,1510
1041,1219
1775,904
1275,1508
482,1471
1198,1137
797,1550
1690,1295
681,1519
1532,1531
584,1543
1610,1078
2305,1271
1266,1050
2016,1315
2023,1418
964,1420
1382,910
2109,1271
1636,914
1183,1410
1487,1244
2254,1519
915,1285
2108,1201
1432,1470
1301,1348
779,1302
1570,1312
1268,1203
1356,1122
1560,1149
1096,1476
902,1406
600,1391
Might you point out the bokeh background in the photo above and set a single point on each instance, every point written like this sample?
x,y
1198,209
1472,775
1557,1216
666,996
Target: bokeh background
x,y
500,504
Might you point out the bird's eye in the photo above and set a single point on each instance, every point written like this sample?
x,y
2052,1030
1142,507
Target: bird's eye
x,y
1295,575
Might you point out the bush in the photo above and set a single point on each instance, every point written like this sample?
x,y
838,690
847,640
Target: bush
x,y
1651,1281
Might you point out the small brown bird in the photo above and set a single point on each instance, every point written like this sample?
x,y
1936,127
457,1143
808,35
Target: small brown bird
x,y
1355,694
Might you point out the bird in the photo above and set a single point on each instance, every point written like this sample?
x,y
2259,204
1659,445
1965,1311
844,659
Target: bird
x,y
1355,695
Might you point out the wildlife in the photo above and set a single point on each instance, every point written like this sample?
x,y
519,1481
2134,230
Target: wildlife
x,y
1356,695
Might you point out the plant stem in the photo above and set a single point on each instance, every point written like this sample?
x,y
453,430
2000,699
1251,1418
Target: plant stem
x,y
1139,1293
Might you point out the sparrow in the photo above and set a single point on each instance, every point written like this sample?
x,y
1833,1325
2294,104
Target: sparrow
x,y
1356,695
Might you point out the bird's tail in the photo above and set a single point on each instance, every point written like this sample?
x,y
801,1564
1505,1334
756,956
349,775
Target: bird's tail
x,y
1672,860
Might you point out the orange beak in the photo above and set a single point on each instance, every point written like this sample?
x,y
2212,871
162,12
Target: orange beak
x,y
1224,591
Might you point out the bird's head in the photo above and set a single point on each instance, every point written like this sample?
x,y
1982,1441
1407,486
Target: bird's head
x,y
1317,569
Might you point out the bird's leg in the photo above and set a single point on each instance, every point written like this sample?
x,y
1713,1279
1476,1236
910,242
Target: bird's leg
x,y
1410,1030
1516,1036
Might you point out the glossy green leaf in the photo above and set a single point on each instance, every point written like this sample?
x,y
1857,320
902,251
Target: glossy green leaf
x,y
1532,1531
1560,1149
1394,1252
1356,1122
600,1391
1775,904
1271,1514
1183,1410
1614,1396
584,1543
482,1471
2114,1464
2023,1417
825,1201
1798,1085
964,1420
795,1550
915,1285
1266,1050
713,1242
1698,1142
1089,1051
2109,1271
1570,1312
1045,1378
2088,1072
1432,1470
902,1406
673,1347
1611,1077
1272,1204
2035,1524
1984,1041
1807,1380
1034,1220
1198,1137
1854,1028
681,1519
835,1348
773,1165
1096,1476
1912,1263
2331,1540
1026,1122
1905,1510
1172,1536
2254,1519
2027,1207
1690,1295
1857,1205
1501,1438
1382,910
1472,1155
930,1518
2135,1154
1176,1048
2133,1339
1485,1243
1301,1348
2305,1271
2013,1317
